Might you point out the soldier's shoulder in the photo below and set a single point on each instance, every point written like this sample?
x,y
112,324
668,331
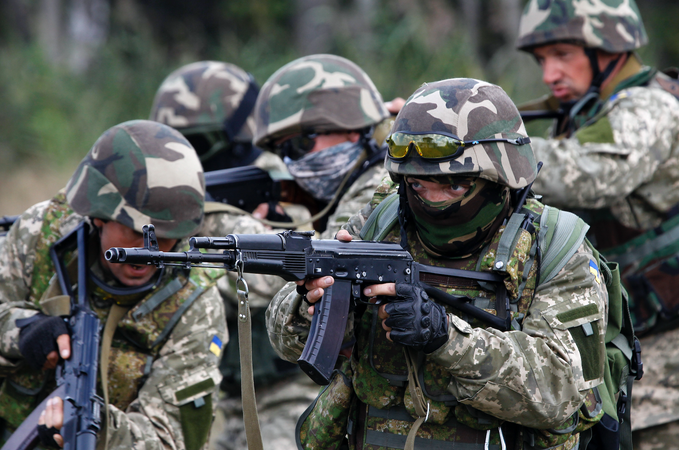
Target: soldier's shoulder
x,y
54,216
384,189
652,97
362,189
370,179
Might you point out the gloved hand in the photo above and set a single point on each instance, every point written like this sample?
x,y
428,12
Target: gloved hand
x,y
415,320
38,338
275,216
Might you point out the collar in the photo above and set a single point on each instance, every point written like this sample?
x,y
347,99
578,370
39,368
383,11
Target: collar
x,y
545,103
631,67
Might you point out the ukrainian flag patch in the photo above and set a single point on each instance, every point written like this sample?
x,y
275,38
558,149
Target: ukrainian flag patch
x,y
216,346
594,270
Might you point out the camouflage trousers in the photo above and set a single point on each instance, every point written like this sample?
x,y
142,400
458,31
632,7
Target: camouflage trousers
x,y
662,437
655,398
279,406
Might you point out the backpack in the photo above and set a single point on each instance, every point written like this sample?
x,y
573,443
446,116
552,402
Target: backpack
x,y
560,234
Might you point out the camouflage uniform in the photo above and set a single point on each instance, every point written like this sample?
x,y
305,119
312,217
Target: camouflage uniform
x,y
620,163
163,365
482,385
338,96
325,94
202,100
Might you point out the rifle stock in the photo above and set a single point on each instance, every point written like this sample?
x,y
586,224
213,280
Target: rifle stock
x,y
295,256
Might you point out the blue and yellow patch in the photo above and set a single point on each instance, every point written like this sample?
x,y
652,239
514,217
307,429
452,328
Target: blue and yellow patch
x,y
594,270
216,346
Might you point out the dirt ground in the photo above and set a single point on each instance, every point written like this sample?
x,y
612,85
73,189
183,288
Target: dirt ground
x,y
24,186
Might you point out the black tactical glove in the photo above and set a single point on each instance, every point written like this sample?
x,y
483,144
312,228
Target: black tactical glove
x,y
275,216
415,320
46,436
38,337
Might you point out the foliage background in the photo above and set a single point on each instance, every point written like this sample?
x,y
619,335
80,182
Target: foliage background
x,y
69,69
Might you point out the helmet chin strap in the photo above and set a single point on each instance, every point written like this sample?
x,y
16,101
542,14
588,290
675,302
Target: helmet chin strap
x,y
592,95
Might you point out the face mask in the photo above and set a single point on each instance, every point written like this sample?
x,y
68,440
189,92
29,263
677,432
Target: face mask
x,y
460,226
321,173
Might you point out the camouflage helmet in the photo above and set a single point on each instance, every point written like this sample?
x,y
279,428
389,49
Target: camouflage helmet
x,y
317,93
471,110
141,172
614,26
205,96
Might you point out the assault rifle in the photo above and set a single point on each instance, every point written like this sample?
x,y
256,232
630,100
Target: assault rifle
x,y
77,375
244,187
295,256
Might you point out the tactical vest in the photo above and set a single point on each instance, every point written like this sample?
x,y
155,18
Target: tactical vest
x,y
139,336
370,392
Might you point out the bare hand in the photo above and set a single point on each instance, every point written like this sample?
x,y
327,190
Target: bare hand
x,y
64,345
53,416
395,105
315,287
343,235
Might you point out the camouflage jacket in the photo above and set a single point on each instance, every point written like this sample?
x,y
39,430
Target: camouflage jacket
x,y
626,158
157,368
533,377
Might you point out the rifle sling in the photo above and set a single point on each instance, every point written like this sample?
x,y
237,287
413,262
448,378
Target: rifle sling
x,y
115,314
250,417
460,273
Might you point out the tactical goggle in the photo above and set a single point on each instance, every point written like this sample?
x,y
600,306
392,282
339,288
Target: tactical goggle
x,y
437,145
297,146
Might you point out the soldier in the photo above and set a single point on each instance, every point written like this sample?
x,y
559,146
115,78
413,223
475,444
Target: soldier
x,y
419,372
164,356
318,113
211,103
615,153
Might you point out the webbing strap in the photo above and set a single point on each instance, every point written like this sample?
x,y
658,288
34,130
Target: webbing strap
x,y
381,220
233,124
647,248
177,315
508,241
419,401
561,245
626,419
620,341
250,416
115,314
157,298
59,305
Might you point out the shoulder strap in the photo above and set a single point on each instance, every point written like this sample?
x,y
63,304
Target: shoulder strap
x,y
561,234
508,241
381,220
115,314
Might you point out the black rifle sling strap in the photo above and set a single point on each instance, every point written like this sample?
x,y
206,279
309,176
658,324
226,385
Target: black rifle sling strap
x,y
247,383
115,314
